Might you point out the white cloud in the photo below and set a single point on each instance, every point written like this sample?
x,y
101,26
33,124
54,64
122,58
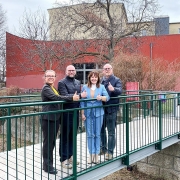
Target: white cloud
x,y
14,9
170,8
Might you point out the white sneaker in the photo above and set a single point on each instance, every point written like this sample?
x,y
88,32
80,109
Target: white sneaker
x,y
66,164
71,160
91,158
108,156
96,159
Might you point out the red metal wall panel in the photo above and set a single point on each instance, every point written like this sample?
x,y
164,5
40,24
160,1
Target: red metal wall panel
x,y
166,47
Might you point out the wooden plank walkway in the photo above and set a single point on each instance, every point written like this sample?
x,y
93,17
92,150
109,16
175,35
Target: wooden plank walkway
x,y
25,163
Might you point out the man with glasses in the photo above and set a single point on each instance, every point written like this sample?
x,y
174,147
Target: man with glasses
x,y
113,86
66,87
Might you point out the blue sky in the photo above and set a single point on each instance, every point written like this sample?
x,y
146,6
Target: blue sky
x,y
15,9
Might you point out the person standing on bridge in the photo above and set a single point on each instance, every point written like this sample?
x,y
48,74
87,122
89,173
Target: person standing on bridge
x,y
50,122
67,87
113,86
93,117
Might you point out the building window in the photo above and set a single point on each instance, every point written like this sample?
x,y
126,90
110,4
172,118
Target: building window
x,y
179,30
143,32
83,71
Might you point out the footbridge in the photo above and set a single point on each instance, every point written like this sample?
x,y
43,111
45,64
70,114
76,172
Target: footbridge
x,y
146,124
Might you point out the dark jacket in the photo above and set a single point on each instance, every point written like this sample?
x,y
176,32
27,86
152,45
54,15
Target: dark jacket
x,y
116,83
68,86
47,94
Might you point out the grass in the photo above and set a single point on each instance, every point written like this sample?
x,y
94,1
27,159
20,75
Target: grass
x,y
124,174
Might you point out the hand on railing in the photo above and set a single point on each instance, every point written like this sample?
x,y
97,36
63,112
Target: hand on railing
x,y
99,98
83,117
84,94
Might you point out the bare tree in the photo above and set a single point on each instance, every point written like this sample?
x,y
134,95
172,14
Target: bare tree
x,y
34,25
3,29
156,74
38,53
106,22
100,26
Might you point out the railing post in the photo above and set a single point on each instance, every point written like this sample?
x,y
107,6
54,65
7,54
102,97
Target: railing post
x,y
153,97
178,98
125,160
159,144
75,143
124,113
144,107
9,130
175,105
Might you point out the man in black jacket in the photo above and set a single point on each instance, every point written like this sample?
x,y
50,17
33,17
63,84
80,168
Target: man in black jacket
x,y
68,86
113,86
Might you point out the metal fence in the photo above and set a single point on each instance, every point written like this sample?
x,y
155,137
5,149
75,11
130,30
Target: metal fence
x,y
142,121
19,99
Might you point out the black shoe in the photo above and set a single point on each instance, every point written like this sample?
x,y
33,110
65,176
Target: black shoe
x,y
102,152
50,170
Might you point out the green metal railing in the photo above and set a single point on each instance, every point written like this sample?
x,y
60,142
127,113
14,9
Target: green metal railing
x,y
19,99
142,121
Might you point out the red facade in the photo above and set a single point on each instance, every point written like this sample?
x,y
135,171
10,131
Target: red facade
x,y
166,47
30,75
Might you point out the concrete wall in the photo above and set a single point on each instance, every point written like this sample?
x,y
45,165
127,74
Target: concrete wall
x,y
165,163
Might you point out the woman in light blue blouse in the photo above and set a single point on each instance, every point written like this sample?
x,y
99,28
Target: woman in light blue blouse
x,y
93,117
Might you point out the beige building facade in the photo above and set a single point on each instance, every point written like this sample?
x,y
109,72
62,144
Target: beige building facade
x,y
80,21
174,28
90,21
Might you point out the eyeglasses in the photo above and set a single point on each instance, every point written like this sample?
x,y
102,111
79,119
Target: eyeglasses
x,y
50,76
107,69
71,70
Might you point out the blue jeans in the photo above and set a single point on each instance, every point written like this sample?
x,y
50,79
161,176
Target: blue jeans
x,y
93,129
110,123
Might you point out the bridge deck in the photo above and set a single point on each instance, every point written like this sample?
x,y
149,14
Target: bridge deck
x,y
25,163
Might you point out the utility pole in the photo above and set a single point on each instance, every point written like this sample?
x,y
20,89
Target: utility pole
x,y
151,53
